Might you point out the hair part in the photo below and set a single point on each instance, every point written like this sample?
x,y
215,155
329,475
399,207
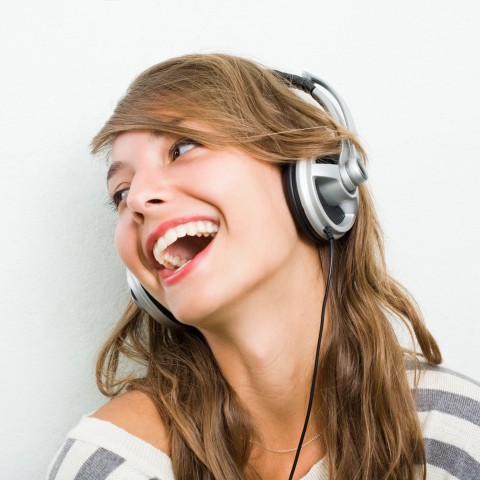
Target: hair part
x,y
367,409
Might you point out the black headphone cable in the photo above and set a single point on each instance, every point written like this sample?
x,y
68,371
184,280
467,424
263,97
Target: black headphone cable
x,y
329,233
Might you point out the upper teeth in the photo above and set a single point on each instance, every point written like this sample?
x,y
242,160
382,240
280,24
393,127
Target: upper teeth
x,y
199,228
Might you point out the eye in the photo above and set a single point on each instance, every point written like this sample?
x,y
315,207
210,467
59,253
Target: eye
x,y
118,197
181,147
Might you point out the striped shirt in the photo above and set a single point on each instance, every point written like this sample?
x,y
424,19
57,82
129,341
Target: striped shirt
x,y
448,406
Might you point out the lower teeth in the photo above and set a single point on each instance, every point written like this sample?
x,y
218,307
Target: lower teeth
x,y
186,263
170,266
173,266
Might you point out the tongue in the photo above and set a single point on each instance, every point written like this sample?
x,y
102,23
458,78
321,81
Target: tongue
x,y
187,247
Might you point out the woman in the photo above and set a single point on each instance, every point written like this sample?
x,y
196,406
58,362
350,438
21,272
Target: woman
x,y
204,155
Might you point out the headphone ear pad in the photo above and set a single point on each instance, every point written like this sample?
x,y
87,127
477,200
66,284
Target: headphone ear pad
x,y
295,204
145,301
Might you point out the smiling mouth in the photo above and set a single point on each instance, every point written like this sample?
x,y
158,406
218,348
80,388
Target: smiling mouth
x,y
180,244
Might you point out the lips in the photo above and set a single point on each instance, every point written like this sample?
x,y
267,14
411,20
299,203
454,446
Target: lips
x,y
174,244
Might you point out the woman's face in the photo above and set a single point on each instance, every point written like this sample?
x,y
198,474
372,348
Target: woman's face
x,y
167,187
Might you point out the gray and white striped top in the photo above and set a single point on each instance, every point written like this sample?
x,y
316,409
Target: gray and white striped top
x,y
448,406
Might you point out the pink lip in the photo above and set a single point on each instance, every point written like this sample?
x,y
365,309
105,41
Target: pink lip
x,y
162,229
170,277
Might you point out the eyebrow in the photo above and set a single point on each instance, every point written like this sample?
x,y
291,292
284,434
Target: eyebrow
x,y
115,167
118,166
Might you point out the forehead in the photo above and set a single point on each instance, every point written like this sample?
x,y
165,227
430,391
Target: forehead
x,y
127,145
129,142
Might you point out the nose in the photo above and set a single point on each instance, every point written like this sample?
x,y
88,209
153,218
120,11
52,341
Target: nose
x,y
148,191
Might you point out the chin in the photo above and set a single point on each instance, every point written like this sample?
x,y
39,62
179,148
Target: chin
x,y
200,310
197,316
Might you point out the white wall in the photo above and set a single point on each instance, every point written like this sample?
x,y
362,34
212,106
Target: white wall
x,y
409,70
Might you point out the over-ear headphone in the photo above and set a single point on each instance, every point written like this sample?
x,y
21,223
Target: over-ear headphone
x,y
320,192
323,191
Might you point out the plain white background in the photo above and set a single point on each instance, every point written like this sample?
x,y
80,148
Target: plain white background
x,y
409,71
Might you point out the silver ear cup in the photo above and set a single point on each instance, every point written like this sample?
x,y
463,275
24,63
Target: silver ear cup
x,y
146,302
324,192
323,197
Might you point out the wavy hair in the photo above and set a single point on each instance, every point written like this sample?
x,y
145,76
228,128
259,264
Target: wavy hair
x,y
371,429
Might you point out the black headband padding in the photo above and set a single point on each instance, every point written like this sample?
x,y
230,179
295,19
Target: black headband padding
x,y
299,82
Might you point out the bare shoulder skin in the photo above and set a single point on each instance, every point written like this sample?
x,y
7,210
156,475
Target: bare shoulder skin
x,y
135,413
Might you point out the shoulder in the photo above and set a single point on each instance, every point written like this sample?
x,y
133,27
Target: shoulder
x,y
448,406
125,438
135,412
439,388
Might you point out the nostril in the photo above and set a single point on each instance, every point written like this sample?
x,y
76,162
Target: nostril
x,y
154,200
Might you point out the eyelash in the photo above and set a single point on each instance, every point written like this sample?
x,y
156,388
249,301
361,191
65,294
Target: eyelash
x,y
181,143
115,198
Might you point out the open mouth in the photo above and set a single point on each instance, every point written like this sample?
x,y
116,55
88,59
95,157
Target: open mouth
x,y
180,244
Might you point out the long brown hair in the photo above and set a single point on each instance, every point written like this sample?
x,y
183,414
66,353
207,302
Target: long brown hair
x,y
371,430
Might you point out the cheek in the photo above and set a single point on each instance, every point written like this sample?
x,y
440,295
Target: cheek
x,y
125,243
274,204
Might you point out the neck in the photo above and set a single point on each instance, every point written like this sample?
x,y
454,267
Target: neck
x,y
265,349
